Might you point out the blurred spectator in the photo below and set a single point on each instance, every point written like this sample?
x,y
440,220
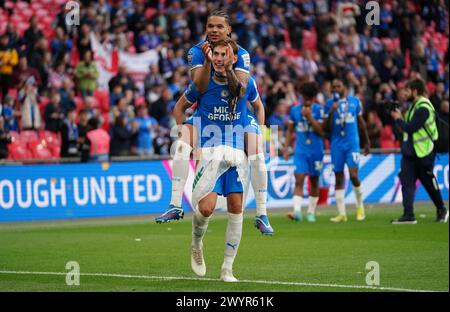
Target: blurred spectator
x,y
31,116
57,75
9,114
83,118
146,126
432,57
438,96
86,74
122,109
67,95
8,59
5,139
122,137
115,95
148,39
22,72
60,45
279,117
53,114
374,128
159,109
32,34
95,147
122,79
443,111
69,135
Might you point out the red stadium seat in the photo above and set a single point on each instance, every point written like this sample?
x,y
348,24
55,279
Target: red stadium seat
x,y
15,136
19,151
103,100
28,136
40,151
51,139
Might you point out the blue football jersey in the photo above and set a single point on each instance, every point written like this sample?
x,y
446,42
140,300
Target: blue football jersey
x,y
307,140
213,123
196,58
344,129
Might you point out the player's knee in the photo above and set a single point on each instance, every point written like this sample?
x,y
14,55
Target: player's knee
x,y
235,207
354,178
206,210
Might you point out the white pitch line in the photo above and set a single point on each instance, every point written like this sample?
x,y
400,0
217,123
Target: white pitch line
x,y
172,278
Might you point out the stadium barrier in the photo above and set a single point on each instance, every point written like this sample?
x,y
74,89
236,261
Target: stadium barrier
x,y
123,188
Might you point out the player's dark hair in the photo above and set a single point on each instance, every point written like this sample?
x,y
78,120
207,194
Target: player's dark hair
x,y
221,13
417,84
225,42
309,89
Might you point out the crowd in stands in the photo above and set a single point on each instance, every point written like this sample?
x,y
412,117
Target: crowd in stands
x,y
48,76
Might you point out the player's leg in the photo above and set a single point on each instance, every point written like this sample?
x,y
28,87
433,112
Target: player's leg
x,y
180,173
338,160
298,197
313,198
200,220
233,235
315,167
353,168
234,193
255,152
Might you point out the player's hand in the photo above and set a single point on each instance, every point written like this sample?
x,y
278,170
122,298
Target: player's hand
x,y
306,111
207,52
334,107
396,114
229,59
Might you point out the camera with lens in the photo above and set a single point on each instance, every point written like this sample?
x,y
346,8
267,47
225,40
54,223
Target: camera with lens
x,y
391,105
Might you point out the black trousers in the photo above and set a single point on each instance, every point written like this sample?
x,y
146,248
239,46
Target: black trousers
x,y
413,168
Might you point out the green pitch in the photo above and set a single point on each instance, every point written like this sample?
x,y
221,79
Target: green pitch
x,y
299,257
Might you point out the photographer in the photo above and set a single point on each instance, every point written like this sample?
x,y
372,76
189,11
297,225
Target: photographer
x,y
419,131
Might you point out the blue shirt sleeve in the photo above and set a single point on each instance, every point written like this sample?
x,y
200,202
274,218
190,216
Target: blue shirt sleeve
x,y
243,62
318,113
358,106
195,57
292,114
191,94
327,109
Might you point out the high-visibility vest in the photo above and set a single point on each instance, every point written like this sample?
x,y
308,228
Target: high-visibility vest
x,y
99,142
423,141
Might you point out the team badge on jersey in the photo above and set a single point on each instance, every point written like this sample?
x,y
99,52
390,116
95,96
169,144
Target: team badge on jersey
x,y
224,93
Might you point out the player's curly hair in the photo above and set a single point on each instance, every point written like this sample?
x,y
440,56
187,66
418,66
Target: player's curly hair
x,y
309,89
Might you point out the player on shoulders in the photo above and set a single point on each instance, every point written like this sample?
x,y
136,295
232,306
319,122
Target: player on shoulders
x,y
343,119
199,57
223,167
306,120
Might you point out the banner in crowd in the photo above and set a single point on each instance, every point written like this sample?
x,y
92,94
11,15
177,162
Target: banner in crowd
x,y
108,62
49,192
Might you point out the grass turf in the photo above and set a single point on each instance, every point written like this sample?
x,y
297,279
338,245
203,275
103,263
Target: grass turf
x,y
410,256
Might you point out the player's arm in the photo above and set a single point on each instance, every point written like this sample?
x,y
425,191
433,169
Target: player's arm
x,y
180,107
259,111
328,121
235,84
201,71
287,142
362,125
